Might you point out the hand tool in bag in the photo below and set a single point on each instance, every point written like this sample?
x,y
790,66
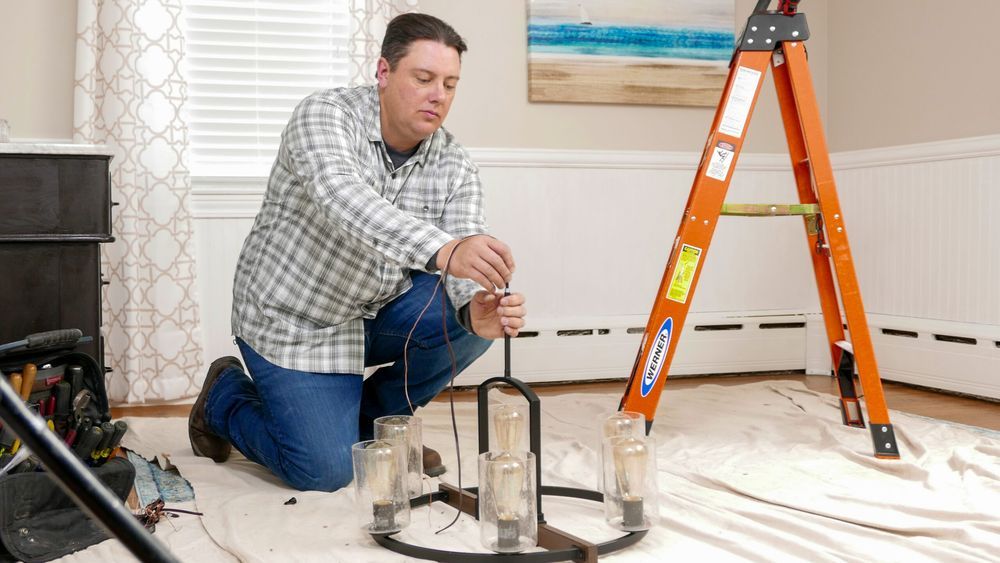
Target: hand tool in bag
x,y
121,427
27,380
87,441
15,461
63,405
15,384
107,432
75,376
7,439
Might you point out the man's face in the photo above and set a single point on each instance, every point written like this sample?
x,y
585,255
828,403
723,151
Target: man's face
x,y
416,96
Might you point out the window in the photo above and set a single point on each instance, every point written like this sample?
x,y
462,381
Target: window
x,y
248,64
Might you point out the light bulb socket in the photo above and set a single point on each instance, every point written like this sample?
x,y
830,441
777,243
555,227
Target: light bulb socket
x,y
383,517
632,516
508,538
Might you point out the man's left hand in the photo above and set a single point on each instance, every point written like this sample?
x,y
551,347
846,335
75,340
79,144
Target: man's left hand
x,y
496,314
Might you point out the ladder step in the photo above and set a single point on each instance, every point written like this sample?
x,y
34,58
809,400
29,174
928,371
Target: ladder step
x,y
769,209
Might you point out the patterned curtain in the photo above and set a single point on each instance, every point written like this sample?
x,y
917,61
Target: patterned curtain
x,y
128,95
368,21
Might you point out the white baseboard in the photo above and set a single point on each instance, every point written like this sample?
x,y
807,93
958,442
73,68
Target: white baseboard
x,y
959,357
748,343
937,354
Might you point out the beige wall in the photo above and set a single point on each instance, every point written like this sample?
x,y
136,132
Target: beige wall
x,y
907,72
492,108
37,59
901,71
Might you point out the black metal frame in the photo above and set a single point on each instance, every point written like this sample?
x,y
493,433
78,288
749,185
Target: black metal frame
x,y
571,548
566,554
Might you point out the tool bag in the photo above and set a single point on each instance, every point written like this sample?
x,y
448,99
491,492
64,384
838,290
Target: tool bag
x,y
38,521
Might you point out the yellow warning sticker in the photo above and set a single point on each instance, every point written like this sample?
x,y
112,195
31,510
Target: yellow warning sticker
x,y
687,265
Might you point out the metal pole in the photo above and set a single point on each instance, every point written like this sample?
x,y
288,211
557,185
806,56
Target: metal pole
x,y
77,481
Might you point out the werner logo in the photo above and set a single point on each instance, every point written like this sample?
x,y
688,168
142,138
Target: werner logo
x,y
656,356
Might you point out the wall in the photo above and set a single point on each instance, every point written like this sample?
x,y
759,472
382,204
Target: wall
x,y
590,259
907,72
37,61
927,259
492,108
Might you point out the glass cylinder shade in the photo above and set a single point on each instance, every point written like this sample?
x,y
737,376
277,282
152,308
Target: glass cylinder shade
x,y
407,430
508,427
508,521
630,495
617,423
380,496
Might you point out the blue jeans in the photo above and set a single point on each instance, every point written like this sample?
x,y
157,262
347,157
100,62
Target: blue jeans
x,y
301,425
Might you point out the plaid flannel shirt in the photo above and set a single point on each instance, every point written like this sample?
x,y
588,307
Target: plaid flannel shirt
x,y
340,229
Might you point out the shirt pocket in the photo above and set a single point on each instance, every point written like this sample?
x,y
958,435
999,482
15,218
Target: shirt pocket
x,y
422,205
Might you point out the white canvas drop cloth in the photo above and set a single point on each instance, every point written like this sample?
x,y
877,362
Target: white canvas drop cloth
x,y
762,471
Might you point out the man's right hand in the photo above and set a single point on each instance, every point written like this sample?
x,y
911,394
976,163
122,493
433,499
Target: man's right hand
x,y
480,258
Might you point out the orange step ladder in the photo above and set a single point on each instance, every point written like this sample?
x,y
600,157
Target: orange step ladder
x,y
771,38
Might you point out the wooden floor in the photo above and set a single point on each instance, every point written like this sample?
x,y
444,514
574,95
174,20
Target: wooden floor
x,y
905,398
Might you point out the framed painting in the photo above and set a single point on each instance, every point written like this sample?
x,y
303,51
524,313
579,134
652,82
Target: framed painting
x,y
661,52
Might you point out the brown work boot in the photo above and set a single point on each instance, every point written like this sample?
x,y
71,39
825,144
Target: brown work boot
x,y
203,442
432,463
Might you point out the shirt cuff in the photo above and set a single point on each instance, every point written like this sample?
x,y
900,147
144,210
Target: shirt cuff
x,y
465,318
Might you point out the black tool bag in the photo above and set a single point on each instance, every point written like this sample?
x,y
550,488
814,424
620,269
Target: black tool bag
x,y
38,521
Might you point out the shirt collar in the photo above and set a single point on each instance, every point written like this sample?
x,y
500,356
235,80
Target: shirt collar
x,y
428,148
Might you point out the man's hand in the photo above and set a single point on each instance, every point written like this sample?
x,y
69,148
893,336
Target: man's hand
x,y
495,314
480,258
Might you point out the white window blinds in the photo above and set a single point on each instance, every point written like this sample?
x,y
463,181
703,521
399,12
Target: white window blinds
x,y
248,64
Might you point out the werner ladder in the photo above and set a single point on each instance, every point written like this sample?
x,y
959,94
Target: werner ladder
x,y
772,38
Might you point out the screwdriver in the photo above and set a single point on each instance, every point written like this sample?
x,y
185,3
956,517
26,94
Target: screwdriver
x,y
27,380
107,432
87,442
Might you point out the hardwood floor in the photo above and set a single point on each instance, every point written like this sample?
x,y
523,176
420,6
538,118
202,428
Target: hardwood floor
x,y
900,397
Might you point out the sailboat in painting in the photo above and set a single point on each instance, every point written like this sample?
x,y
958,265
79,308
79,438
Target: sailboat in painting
x,y
584,16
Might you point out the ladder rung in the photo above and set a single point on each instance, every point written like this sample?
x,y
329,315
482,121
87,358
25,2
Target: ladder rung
x,y
769,209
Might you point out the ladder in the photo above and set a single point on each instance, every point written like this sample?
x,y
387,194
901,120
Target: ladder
x,y
776,39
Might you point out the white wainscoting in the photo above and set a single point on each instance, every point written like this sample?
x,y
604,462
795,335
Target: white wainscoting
x,y
591,232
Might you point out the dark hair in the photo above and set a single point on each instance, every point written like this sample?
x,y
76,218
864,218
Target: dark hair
x,y
404,29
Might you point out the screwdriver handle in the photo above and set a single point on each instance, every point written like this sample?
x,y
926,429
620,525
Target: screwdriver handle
x,y
27,380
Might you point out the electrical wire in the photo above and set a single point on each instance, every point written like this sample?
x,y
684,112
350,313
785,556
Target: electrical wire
x,y
441,283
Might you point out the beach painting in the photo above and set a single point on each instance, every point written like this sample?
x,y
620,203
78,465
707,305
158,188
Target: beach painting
x,y
661,52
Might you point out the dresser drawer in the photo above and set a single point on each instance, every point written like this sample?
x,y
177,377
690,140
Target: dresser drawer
x,y
48,286
48,197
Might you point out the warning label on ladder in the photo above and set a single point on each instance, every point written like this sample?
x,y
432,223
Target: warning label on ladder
x,y
687,265
718,164
741,95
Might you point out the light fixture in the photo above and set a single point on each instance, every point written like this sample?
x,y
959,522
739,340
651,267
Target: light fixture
x,y
508,500
406,430
613,424
382,503
508,523
630,473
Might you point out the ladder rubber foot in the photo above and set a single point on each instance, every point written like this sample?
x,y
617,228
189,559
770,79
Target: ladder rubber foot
x,y
884,440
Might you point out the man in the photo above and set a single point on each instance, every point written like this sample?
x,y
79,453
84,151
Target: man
x,y
368,197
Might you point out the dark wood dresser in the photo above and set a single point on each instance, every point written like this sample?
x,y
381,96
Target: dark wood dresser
x,y
55,211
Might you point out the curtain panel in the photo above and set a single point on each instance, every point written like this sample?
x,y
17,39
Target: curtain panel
x,y
368,21
128,94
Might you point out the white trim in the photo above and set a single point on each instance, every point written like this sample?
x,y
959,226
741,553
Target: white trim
x,y
215,197
614,160
937,151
